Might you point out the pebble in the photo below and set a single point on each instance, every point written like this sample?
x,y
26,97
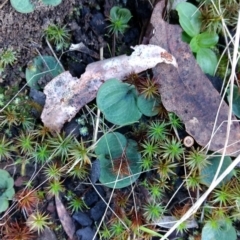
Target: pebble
x,y
83,219
86,233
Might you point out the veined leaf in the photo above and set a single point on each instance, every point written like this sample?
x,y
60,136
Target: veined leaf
x,y
189,18
117,101
203,40
207,60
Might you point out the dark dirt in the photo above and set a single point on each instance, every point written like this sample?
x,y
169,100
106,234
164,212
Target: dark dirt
x,y
24,33
86,21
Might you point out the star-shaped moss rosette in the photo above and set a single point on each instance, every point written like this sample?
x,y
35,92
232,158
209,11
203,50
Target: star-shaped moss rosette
x,y
120,162
6,189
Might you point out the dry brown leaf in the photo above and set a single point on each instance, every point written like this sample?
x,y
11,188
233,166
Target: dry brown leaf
x,y
47,234
66,95
65,219
186,90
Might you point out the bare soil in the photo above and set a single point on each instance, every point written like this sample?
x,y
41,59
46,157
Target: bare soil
x,y
24,33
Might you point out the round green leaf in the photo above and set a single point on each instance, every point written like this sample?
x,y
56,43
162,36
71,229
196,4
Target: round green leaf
x,y
111,145
9,193
222,232
6,181
110,168
6,189
52,2
22,6
208,173
3,204
236,101
39,67
207,60
147,106
117,101
110,150
189,18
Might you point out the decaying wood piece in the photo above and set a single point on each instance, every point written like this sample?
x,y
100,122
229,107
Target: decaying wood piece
x,y
66,95
187,92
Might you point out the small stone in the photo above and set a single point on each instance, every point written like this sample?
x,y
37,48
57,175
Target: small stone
x,y
71,128
95,171
100,190
20,181
98,23
90,198
47,234
98,210
83,219
37,96
86,233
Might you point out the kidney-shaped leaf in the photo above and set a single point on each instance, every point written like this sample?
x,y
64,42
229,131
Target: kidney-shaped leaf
x,y
6,189
111,145
110,177
147,106
6,183
119,159
4,204
41,66
223,231
210,170
117,101
22,6
189,18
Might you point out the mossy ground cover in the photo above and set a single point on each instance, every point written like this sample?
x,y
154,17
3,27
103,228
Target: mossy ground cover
x,y
111,174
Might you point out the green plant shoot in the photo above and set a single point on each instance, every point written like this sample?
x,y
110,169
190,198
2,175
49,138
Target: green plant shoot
x,y
200,43
119,18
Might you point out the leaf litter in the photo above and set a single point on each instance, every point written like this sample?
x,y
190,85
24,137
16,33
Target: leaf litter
x,y
187,91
